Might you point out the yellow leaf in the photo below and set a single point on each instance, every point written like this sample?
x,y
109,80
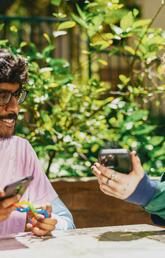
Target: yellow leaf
x,y
103,62
13,28
66,25
46,36
130,50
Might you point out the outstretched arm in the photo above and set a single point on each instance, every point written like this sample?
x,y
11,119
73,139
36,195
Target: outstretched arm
x,y
136,187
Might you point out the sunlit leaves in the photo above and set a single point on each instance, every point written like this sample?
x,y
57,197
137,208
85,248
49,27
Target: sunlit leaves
x,y
1,26
124,79
76,119
66,25
13,28
46,36
80,21
56,2
127,21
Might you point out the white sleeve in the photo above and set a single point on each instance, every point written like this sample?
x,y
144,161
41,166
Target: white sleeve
x,y
62,215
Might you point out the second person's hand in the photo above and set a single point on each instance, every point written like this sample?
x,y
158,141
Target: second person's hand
x,y
117,184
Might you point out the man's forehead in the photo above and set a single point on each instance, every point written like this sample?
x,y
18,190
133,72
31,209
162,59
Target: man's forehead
x,y
9,86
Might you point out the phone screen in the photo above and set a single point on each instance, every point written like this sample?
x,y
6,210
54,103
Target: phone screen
x,y
18,187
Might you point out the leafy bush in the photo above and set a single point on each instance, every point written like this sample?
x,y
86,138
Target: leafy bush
x,y
68,120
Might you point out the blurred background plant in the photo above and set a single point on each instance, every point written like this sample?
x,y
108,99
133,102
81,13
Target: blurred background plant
x,y
76,107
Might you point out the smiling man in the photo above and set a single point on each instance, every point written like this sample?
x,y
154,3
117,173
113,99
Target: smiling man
x,y
18,159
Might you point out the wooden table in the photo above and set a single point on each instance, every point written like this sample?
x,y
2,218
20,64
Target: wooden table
x,y
131,241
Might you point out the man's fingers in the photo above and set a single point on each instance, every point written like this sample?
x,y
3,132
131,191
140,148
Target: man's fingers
x,y
42,226
39,232
95,171
110,173
110,183
48,221
9,201
6,211
2,193
45,226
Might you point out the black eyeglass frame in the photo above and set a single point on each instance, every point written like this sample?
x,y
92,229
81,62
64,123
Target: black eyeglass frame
x,y
15,94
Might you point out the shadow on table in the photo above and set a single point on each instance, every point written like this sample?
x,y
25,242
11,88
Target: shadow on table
x,y
128,236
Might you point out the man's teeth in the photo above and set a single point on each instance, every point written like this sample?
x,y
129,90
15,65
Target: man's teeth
x,y
10,121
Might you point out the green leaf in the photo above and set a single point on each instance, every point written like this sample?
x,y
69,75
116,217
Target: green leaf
x,y
156,140
135,12
56,2
103,62
79,21
82,15
13,28
3,42
142,130
141,23
159,152
125,80
66,25
1,26
59,15
127,21
46,36
23,44
102,44
91,5
138,115
130,50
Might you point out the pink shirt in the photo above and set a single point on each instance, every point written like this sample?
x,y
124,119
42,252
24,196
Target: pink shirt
x,y
18,160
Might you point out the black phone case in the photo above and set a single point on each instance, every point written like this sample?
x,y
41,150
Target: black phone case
x,y
18,187
117,159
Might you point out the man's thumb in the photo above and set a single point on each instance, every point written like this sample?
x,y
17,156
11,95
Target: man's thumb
x,y
2,193
136,164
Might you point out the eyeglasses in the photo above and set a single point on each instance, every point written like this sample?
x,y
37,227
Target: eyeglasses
x,y
5,96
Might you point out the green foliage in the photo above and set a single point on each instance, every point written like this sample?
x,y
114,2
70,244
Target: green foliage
x,y
68,121
56,2
112,28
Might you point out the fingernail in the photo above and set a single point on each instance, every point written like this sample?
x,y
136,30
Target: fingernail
x,y
29,225
134,152
18,197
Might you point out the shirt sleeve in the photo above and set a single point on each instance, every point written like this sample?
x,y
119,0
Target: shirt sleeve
x,y
62,215
157,205
144,192
151,195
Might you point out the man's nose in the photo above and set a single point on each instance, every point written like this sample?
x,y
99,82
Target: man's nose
x,y
13,106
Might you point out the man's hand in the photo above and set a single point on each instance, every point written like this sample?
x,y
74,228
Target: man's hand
x,y
117,184
6,206
41,226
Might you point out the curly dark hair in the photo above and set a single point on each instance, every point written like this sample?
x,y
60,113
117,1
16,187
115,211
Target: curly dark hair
x,y
13,68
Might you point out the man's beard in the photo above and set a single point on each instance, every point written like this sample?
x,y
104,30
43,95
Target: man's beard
x,y
7,125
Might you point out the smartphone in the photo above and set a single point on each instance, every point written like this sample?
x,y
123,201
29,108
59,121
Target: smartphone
x,y
117,159
17,187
